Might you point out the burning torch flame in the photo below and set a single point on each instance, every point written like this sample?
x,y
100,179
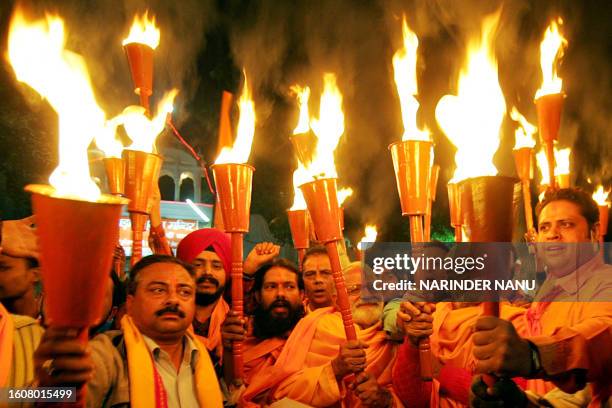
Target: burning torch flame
x,y
303,94
523,135
562,163
299,203
601,197
472,119
38,57
551,50
241,150
328,128
343,194
404,68
143,31
144,131
370,236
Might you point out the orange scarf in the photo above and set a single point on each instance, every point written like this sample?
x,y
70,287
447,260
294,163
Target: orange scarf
x,y
217,317
146,389
6,345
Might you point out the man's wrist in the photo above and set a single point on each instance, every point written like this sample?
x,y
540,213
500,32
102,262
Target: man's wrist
x,y
536,362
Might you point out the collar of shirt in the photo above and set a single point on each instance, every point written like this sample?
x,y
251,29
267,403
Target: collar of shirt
x,y
572,282
190,352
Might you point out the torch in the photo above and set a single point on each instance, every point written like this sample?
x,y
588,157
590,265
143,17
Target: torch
x,y
139,45
77,226
471,120
299,224
233,180
431,197
523,159
411,161
454,207
369,237
549,98
141,171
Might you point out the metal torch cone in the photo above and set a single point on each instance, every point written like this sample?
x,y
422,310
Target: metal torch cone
x,y
140,59
549,108
299,225
412,163
77,240
322,200
115,173
141,171
563,180
523,159
305,145
234,185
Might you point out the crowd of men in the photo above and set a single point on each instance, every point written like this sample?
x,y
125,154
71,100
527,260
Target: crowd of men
x,y
167,335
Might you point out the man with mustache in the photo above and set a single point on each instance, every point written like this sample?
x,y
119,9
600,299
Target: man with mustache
x,y
153,361
319,286
310,365
208,251
568,338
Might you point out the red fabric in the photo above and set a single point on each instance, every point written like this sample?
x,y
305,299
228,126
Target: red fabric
x,y
407,383
197,241
455,382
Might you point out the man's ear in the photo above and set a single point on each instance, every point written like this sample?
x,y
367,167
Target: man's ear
x,y
128,304
302,295
35,274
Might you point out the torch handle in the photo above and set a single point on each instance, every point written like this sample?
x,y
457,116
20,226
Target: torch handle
x,y
490,309
237,301
136,247
427,226
301,253
416,235
144,102
342,295
527,205
458,235
550,157
416,228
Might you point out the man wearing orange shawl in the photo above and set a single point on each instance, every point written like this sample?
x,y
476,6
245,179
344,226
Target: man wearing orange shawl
x,y
316,357
154,361
568,339
208,250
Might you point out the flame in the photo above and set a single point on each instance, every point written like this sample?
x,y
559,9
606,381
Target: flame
x,y
562,163
523,135
299,203
143,31
601,197
303,94
38,57
328,128
343,194
472,119
404,68
239,153
369,237
551,50
140,129
107,141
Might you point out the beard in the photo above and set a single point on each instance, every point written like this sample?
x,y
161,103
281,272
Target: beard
x,y
266,325
367,314
205,298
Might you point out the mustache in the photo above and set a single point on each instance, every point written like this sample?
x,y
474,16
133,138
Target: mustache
x,y
280,303
171,309
207,278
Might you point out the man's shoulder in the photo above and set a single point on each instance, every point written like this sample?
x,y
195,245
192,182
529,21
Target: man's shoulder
x,y
21,322
108,342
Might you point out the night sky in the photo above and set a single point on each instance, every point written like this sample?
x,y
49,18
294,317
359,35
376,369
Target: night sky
x,y
205,44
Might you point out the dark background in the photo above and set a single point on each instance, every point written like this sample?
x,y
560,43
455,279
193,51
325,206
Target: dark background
x,y
204,45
